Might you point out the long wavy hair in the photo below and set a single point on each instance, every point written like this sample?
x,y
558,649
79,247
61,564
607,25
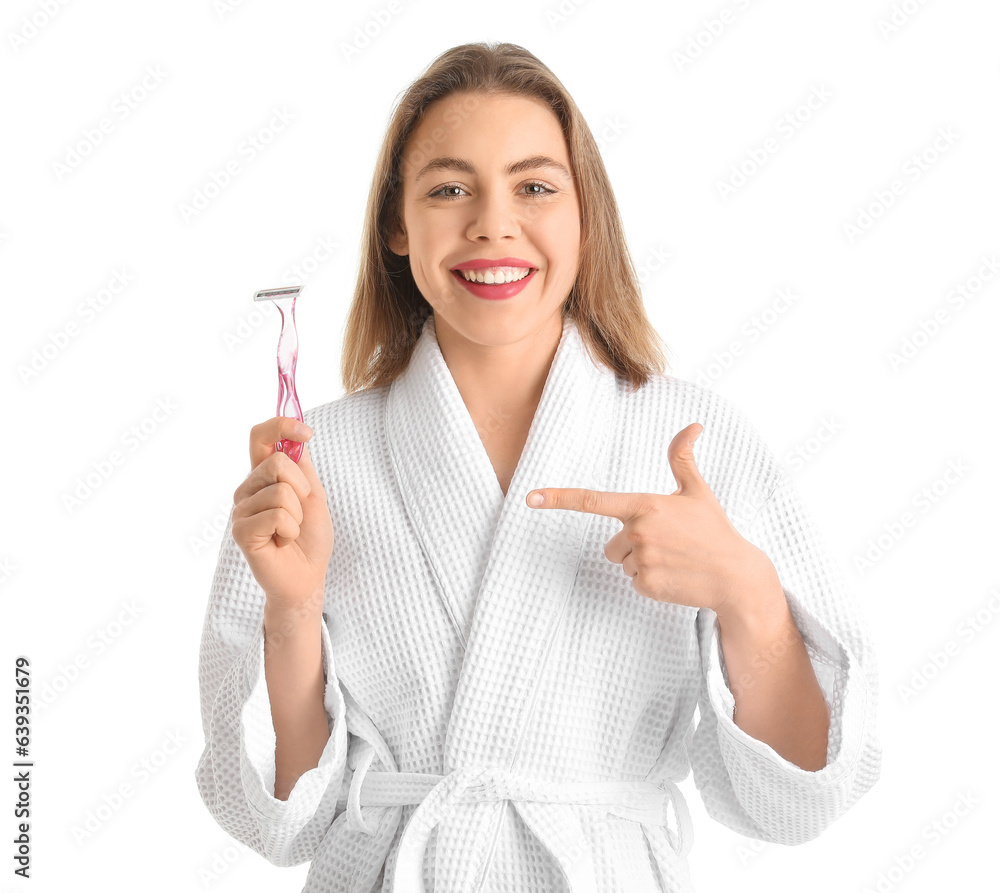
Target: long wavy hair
x,y
388,311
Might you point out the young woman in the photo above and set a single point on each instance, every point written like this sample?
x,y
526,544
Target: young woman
x,y
417,679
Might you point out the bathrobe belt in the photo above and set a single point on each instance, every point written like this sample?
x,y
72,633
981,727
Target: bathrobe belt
x,y
561,833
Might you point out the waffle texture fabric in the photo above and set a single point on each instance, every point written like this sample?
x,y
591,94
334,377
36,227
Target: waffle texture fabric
x,y
483,658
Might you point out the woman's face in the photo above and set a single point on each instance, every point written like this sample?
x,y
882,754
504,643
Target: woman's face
x,y
476,209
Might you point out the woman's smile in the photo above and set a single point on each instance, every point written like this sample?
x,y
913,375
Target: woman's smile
x,y
495,275
495,286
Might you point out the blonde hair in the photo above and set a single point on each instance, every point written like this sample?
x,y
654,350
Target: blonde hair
x,y
388,311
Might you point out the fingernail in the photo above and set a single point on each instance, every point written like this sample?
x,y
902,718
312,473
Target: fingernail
x,y
535,499
302,430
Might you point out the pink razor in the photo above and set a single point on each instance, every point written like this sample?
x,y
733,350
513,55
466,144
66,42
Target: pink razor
x,y
288,354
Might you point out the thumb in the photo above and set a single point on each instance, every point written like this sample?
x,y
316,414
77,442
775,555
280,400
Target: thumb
x,y
680,455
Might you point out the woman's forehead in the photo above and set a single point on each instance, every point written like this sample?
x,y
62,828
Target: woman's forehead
x,y
464,133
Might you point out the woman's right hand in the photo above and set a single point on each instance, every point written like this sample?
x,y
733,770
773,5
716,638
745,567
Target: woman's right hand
x,y
281,520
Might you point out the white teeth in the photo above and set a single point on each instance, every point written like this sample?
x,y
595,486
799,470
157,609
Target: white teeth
x,y
495,275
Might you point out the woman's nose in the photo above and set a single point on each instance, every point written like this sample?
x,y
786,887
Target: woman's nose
x,y
495,215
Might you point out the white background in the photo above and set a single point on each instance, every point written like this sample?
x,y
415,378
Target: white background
x,y
817,378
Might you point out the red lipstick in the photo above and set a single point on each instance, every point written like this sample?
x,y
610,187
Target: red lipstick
x,y
490,291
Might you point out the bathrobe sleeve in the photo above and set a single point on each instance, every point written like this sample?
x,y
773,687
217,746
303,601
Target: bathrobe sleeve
x,y
743,782
235,774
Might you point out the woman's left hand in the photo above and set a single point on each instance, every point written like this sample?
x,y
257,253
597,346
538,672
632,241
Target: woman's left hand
x,y
680,548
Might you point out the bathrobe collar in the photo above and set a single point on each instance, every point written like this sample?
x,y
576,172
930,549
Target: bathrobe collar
x,y
503,569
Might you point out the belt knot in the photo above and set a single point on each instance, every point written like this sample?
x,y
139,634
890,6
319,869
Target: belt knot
x,y
437,795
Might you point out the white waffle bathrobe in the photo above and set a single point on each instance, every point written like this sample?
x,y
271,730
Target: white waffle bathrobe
x,y
506,712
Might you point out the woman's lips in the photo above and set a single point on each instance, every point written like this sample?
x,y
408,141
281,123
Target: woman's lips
x,y
492,292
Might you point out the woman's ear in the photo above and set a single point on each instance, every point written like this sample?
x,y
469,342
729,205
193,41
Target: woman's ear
x,y
398,242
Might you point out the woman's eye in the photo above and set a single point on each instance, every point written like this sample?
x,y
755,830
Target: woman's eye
x,y
544,190
542,186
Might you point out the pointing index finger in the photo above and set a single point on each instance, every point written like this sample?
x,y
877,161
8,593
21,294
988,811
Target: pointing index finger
x,y
595,502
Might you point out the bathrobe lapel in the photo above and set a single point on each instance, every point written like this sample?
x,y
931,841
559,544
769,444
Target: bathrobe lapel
x,y
504,570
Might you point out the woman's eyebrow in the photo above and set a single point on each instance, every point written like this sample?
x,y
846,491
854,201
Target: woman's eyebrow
x,y
533,162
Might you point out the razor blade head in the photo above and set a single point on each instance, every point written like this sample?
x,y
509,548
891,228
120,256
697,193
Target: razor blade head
x,y
269,294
